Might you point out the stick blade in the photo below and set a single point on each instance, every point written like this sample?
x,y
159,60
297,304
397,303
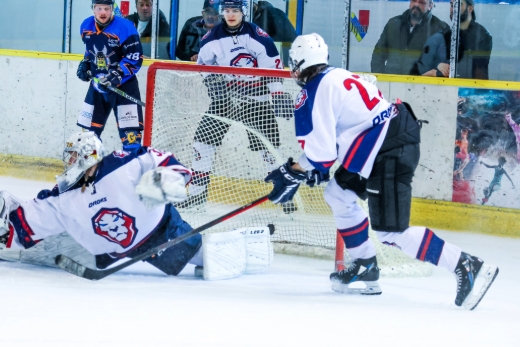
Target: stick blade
x,y
71,266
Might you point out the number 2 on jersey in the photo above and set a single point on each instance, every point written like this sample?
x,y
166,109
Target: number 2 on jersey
x,y
370,103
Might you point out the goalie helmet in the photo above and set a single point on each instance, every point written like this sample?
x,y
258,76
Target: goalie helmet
x,y
306,51
82,151
243,5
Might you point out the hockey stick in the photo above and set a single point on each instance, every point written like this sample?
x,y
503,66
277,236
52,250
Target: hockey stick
x,y
77,269
120,92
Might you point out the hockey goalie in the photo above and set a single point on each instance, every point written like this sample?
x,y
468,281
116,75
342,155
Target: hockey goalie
x,y
105,208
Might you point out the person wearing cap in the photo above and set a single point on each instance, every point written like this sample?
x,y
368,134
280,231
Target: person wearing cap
x,y
403,38
194,29
142,20
474,51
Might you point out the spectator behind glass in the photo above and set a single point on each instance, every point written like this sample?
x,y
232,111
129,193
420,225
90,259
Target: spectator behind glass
x,y
475,44
194,29
275,22
143,22
403,39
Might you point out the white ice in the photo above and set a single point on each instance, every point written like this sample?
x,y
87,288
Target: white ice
x,y
291,304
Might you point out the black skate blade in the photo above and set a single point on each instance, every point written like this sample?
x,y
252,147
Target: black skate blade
x,y
489,273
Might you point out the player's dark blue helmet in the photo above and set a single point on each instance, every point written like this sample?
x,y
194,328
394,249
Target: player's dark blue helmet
x,y
103,2
243,5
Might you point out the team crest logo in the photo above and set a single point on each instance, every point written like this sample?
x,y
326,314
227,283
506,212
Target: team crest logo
x,y
115,226
359,26
261,32
131,137
300,99
244,60
120,154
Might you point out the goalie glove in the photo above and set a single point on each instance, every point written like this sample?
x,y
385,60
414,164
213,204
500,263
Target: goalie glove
x,y
7,204
316,177
83,72
283,105
161,186
286,182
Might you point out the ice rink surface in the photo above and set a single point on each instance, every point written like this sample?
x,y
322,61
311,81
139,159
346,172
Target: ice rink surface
x,y
291,304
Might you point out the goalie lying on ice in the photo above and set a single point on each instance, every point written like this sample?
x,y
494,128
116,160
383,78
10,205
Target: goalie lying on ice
x,y
118,206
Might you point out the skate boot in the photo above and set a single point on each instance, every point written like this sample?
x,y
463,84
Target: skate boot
x,y
360,270
289,207
470,269
194,202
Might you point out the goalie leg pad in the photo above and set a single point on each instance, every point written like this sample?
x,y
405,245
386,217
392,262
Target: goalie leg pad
x,y
233,253
259,251
224,255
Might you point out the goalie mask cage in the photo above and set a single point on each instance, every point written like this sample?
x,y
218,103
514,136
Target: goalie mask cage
x,y
234,105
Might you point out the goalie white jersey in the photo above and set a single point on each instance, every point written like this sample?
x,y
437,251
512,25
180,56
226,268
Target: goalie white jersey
x,y
339,116
250,46
108,217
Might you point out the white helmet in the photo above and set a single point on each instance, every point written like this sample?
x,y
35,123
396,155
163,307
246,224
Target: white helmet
x,y
82,151
307,50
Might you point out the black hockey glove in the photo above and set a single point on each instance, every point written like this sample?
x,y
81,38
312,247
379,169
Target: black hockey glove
x,y
113,78
283,105
286,182
316,177
217,87
83,72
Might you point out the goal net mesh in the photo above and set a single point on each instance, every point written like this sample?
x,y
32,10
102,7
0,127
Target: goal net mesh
x,y
232,132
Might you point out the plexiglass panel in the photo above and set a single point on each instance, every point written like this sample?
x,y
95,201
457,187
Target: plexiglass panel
x,y
32,25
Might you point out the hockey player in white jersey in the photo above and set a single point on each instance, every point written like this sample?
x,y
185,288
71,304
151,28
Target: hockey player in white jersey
x,y
341,117
115,206
252,101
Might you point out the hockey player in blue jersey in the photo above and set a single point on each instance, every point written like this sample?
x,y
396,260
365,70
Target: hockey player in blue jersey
x,y
114,55
252,101
116,206
341,117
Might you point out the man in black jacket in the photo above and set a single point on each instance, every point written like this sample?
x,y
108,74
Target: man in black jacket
x,y
275,22
143,22
475,44
194,29
403,39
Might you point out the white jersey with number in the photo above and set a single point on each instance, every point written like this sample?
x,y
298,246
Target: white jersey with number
x,y
340,116
249,47
108,217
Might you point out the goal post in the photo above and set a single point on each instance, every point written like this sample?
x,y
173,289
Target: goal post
x,y
242,133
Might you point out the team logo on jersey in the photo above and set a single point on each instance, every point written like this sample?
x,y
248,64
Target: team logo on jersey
x,y
207,34
120,154
261,32
115,226
244,60
300,99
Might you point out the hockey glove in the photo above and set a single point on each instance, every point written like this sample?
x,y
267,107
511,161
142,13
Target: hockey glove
x,y
83,72
283,105
113,78
161,186
7,204
286,182
316,177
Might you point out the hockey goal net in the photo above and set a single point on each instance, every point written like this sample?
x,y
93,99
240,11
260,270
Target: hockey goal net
x,y
249,134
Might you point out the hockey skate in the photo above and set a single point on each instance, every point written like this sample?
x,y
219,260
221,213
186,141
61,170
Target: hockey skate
x,y
360,270
469,270
194,202
289,207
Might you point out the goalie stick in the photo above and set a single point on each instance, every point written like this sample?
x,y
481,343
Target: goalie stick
x,y
77,269
120,92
